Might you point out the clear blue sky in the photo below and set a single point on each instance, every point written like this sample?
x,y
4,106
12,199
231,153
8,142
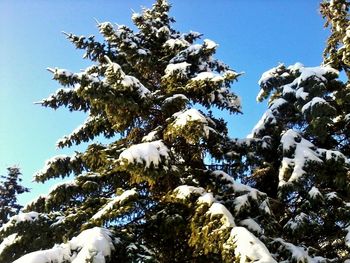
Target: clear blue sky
x,y
253,36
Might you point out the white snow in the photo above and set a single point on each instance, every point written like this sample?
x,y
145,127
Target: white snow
x,y
105,25
303,152
230,74
312,103
21,217
235,103
184,54
189,115
314,193
317,72
147,152
194,49
347,117
91,245
96,241
314,72
132,82
219,209
215,208
306,72
57,254
184,191
126,81
152,136
288,139
135,15
182,119
264,206
347,237
298,254
195,34
209,44
241,202
260,95
60,72
331,195
300,93
267,117
338,119
172,43
114,67
295,86
267,75
295,67
252,225
208,76
276,104
289,89
237,186
179,69
249,248
142,52
118,200
8,241
223,96
333,155
175,97
206,198
59,220
163,30
297,221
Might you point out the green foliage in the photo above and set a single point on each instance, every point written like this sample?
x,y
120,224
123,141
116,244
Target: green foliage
x,y
10,187
304,160
149,185
139,94
337,51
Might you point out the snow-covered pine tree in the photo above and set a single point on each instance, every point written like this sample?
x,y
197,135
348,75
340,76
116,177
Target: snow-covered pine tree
x,y
10,188
304,127
146,195
337,51
298,152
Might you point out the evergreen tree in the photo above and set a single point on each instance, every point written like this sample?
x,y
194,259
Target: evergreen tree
x,y
303,130
337,51
298,152
146,195
10,187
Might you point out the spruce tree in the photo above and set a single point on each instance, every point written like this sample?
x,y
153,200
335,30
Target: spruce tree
x,y
303,130
298,152
146,194
337,51
10,187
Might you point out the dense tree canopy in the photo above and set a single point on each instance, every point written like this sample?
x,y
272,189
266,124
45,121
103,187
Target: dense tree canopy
x,y
10,187
147,193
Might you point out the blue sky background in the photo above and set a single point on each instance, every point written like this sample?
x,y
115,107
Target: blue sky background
x,y
253,36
